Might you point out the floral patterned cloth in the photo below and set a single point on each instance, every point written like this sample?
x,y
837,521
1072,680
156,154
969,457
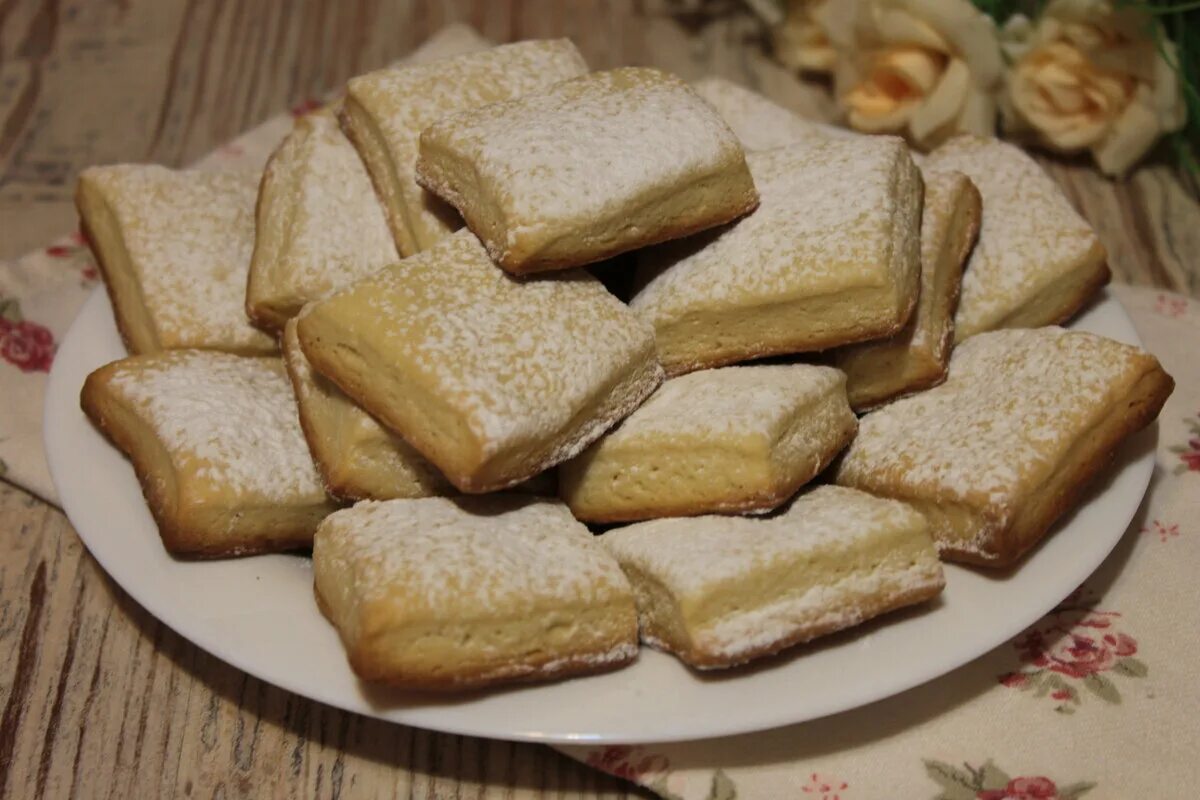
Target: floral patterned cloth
x,y
1097,700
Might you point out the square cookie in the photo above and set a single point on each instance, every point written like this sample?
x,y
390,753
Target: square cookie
x,y
217,447
736,439
491,378
721,591
832,256
917,357
174,248
442,593
592,167
385,111
357,457
1037,261
1007,445
320,226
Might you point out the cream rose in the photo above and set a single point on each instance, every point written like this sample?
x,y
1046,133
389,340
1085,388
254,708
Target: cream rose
x,y
924,69
1089,76
802,40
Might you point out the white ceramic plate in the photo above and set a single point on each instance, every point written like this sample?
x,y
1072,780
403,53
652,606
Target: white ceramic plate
x,y
258,613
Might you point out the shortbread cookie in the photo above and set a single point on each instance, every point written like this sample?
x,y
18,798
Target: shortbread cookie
x,y
759,123
320,226
737,439
1009,442
459,593
916,358
1037,261
385,111
491,378
596,166
174,247
721,591
357,457
832,256
217,447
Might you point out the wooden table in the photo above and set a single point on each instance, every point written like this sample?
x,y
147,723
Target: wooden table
x,y
99,698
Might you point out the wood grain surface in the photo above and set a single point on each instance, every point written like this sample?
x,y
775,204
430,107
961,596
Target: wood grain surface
x,y
101,700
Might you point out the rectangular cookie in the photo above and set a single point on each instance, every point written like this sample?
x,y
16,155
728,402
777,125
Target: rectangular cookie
x,y
831,257
319,224
442,593
1037,261
491,378
357,457
385,111
217,448
736,439
592,167
1007,445
917,357
174,248
721,591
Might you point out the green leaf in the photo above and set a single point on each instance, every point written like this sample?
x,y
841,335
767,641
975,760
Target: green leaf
x,y
1075,790
1065,709
1131,667
10,309
1103,688
722,788
992,777
956,784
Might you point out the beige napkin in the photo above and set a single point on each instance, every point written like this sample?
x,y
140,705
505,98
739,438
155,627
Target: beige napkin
x,y
1099,699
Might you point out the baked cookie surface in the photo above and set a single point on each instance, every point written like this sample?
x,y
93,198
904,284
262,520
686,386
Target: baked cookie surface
x,y
917,357
1008,443
174,247
385,111
357,457
492,378
442,593
759,123
721,591
1037,262
831,256
735,439
589,168
217,448
319,224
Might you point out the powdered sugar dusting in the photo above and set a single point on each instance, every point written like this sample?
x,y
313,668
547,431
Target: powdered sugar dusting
x,y
479,553
1030,234
834,215
695,559
232,419
189,235
518,358
759,123
585,148
742,401
695,555
338,232
405,99
1013,403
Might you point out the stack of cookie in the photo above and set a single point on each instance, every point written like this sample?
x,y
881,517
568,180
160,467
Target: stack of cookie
x,y
395,346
